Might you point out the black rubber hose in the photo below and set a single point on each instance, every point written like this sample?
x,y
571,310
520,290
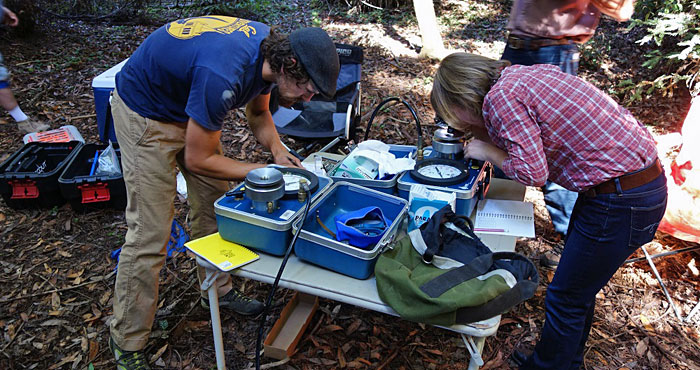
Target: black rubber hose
x,y
268,302
419,146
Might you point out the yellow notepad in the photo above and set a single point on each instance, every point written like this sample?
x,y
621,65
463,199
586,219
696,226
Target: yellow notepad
x,y
221,253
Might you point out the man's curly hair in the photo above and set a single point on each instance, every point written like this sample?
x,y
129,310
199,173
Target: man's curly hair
x,y
277,49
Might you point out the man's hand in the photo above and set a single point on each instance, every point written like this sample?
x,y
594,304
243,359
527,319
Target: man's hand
x,y
284,158
9,17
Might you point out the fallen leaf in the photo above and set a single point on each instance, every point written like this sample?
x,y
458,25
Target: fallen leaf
x,y
355,324
55,301
55,322
641,347
105,297
159,353
341,359
2,217
646,323
66,226
331,328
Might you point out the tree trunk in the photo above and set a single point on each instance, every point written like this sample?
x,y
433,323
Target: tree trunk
x,y
429,30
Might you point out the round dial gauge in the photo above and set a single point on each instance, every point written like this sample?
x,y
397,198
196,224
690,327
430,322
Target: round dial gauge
x,y
292,176
440,172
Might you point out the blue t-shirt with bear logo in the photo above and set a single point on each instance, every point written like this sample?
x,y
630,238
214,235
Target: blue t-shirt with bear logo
x,y
197,68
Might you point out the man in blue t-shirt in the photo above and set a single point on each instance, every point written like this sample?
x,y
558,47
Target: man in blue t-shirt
x,y
169,104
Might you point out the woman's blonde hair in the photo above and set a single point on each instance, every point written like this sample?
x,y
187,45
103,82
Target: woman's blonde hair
x,y
463,80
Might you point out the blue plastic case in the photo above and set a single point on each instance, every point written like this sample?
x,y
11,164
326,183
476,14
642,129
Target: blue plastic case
x,y
269,233
385,186
317,246
468,192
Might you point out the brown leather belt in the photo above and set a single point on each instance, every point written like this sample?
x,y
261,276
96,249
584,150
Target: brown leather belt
x,y
628,181
516,42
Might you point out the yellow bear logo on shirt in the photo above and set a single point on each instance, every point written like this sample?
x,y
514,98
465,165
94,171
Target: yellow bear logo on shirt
x,y
191,27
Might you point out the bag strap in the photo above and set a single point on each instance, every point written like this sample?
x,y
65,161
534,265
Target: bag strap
x,y
520,292
444,282
431,231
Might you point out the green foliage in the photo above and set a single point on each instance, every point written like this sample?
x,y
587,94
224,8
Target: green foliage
x,y
672,29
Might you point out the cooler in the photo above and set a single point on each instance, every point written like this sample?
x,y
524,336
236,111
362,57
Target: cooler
x,y
102,86
317,246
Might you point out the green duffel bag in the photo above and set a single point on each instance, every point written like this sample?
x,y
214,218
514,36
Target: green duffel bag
x,y
442,274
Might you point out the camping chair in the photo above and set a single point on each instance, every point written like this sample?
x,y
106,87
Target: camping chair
x,y
321,119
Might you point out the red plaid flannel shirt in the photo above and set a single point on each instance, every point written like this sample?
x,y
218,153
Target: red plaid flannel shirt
x,y
558,127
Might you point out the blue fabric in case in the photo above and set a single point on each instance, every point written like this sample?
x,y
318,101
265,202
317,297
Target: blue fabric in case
x,y
362,228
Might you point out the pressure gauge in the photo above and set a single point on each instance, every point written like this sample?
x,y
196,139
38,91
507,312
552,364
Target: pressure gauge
x,y
292,178
440,172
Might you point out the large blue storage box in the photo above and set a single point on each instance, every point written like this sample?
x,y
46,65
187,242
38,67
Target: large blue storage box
x,y
102,87
270,233
468,192
317,246
386,185
29,178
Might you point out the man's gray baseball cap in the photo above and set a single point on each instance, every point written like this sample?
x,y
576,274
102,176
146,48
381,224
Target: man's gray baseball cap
x,y
316,52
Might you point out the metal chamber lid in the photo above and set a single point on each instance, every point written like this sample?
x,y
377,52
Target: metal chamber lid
x,y
448,140
264,184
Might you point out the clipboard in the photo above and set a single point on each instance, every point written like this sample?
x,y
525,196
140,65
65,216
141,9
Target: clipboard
x,y
223,254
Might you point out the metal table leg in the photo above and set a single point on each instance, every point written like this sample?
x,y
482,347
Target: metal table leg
x,y
474,349
209,285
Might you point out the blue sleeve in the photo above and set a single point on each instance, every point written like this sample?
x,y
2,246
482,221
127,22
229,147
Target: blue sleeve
x,y
211,97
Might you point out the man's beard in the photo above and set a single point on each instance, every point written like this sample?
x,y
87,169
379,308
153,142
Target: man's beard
x,y
285,101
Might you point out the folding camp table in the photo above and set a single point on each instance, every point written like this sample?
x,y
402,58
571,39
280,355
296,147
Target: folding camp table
x,y
317,281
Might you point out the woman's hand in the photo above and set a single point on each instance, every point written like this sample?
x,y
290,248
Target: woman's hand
x,y
483,151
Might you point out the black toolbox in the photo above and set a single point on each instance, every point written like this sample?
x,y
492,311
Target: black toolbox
x,y
85,191
29,178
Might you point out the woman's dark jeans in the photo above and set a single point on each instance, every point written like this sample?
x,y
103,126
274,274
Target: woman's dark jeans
x,y
604,231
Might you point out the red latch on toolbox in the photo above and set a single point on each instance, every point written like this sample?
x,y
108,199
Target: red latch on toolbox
x,y
93,193
24,189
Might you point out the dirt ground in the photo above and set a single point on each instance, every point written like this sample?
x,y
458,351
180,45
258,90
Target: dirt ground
x,y
56,274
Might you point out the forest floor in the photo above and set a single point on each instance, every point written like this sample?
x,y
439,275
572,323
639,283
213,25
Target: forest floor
x,y
57,277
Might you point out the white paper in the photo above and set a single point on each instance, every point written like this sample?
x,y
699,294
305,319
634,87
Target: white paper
x,y
505,217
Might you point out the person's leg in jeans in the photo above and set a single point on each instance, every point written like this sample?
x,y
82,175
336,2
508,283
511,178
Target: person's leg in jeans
x,y
558,201
605,230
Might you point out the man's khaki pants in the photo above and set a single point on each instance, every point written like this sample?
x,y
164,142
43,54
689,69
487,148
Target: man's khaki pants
x,y
150,152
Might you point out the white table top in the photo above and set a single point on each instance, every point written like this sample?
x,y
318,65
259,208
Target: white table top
x,y
311,279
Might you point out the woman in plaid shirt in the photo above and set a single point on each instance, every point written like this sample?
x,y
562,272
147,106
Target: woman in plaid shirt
x,y
537,123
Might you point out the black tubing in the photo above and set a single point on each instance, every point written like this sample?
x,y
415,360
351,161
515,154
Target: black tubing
x,y
419,146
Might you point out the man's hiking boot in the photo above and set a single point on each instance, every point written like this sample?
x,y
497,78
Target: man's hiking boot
x,y
29,125
128,360
236,301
